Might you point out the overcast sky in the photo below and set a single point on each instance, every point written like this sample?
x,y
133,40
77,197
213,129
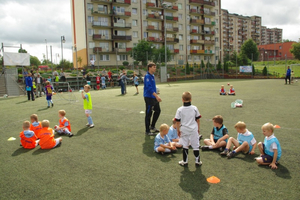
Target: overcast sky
x,y
30,22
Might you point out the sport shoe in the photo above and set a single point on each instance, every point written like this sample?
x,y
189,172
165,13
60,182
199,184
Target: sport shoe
x,y
225,152
230,155
154,130
150,134
200,137
205,148
182,163
87,124
71,135
92,126
221,149
52,104
198,164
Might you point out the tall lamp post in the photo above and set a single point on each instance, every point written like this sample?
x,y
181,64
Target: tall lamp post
x,y
62,40
75,49
165,5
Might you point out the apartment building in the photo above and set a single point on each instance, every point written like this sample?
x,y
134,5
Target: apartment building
x,y
107,30
270,35
236,29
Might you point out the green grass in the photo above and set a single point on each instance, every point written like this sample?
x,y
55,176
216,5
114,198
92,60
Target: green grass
x,y
115,160
279,67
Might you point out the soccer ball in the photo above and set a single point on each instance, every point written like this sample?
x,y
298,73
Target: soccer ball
x,y
296,80
43,93
5,96
228,84
157,90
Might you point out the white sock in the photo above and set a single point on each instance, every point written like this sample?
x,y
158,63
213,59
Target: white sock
x,y
210,147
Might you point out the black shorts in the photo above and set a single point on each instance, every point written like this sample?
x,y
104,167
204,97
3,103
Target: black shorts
x,y
136,85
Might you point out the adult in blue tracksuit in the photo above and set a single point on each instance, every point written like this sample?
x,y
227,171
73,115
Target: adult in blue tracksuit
x,y
29,87
151,100
123,83
288,75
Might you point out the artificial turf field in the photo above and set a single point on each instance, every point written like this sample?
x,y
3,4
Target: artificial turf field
x,y
115,160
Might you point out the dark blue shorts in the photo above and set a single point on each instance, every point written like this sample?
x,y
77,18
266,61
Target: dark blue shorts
x,y
266,158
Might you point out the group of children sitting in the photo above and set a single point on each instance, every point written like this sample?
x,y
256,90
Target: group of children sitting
x,y
185,132
40,133
223,91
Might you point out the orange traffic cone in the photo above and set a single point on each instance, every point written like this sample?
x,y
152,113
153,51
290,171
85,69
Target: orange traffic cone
x,y
213,179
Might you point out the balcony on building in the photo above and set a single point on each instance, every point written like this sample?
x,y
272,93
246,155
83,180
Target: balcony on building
x,y
122,37
197,21
122,2
202,2
101,12
196,12
101,37
121,50
153,28
174,8
174,51
209,3
172,30
209,14
209,32
196,32
197,51
125,14
209,23
172,1
102,1
172,18
209,42
122,25
172,40
109,50
155,39
209,51
155,17
101,24
153,6
196,41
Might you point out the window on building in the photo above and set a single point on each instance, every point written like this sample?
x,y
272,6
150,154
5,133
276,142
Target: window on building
x,y
179,6
187,7
180,37
188,37
181,47
145,23
92,56
104,57
144,1
90,19
172,57
216,39
90,6
189,57
121,45
188,47
169,25
188,28
122,57
91,45
135,34
145,12
180,26
180,57
134,22
280,47
205,57
134,11
145,34
91,32
134,1
217,58
135,44
102,8
179,16
216,30
217,21
170,46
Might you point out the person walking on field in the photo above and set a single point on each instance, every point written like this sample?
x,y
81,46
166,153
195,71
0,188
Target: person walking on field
x,y
288,75
29,87
151,100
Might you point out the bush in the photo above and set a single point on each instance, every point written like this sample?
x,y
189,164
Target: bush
x,y
265,71
187,68
135,63
121,67
73,74
125,63
253,70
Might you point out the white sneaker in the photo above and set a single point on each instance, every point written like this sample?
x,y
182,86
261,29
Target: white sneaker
x,y
182,163
92,126
198,163
87,124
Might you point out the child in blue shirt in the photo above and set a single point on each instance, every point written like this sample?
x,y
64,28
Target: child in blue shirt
x,y
245,141
136,83
270,149
173,135
162,143
103,82
218,137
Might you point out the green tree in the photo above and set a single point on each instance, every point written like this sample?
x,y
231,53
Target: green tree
x,y
159,54
141,50
187,68
125,63
226,57
22,51
265,71
202,64
286,40
295,50
249,48
226,64
253,70
219,66
233,57
34,61
79,60
243,59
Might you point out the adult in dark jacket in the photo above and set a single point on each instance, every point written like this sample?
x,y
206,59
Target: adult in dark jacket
x,y
29,87
288,75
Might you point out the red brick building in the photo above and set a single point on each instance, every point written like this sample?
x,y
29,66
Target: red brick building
x,y
278,50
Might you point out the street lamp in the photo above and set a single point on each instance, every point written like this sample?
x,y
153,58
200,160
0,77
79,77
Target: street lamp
x,y
165,5
62,40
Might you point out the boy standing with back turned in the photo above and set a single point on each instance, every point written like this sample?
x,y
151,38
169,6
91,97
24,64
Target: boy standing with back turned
x,y
188,128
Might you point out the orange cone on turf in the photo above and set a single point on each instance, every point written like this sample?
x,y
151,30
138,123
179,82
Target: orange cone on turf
x,y
276,126
213,179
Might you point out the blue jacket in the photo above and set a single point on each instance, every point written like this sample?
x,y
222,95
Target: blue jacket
x,y
149,85
28,81
288,72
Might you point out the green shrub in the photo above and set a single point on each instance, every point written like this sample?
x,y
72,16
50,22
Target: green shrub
x,y
265,71
73,75
125,63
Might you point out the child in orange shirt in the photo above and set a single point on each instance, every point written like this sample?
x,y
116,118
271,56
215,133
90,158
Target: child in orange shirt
x,y
27,137
35,125
47,140
64,124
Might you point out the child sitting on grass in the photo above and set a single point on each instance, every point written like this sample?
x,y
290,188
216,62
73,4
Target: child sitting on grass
x,y
245,141
270,149
231,90
47,140
222,90
162,143
64,126
219,135
173,136
27,137
35,125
